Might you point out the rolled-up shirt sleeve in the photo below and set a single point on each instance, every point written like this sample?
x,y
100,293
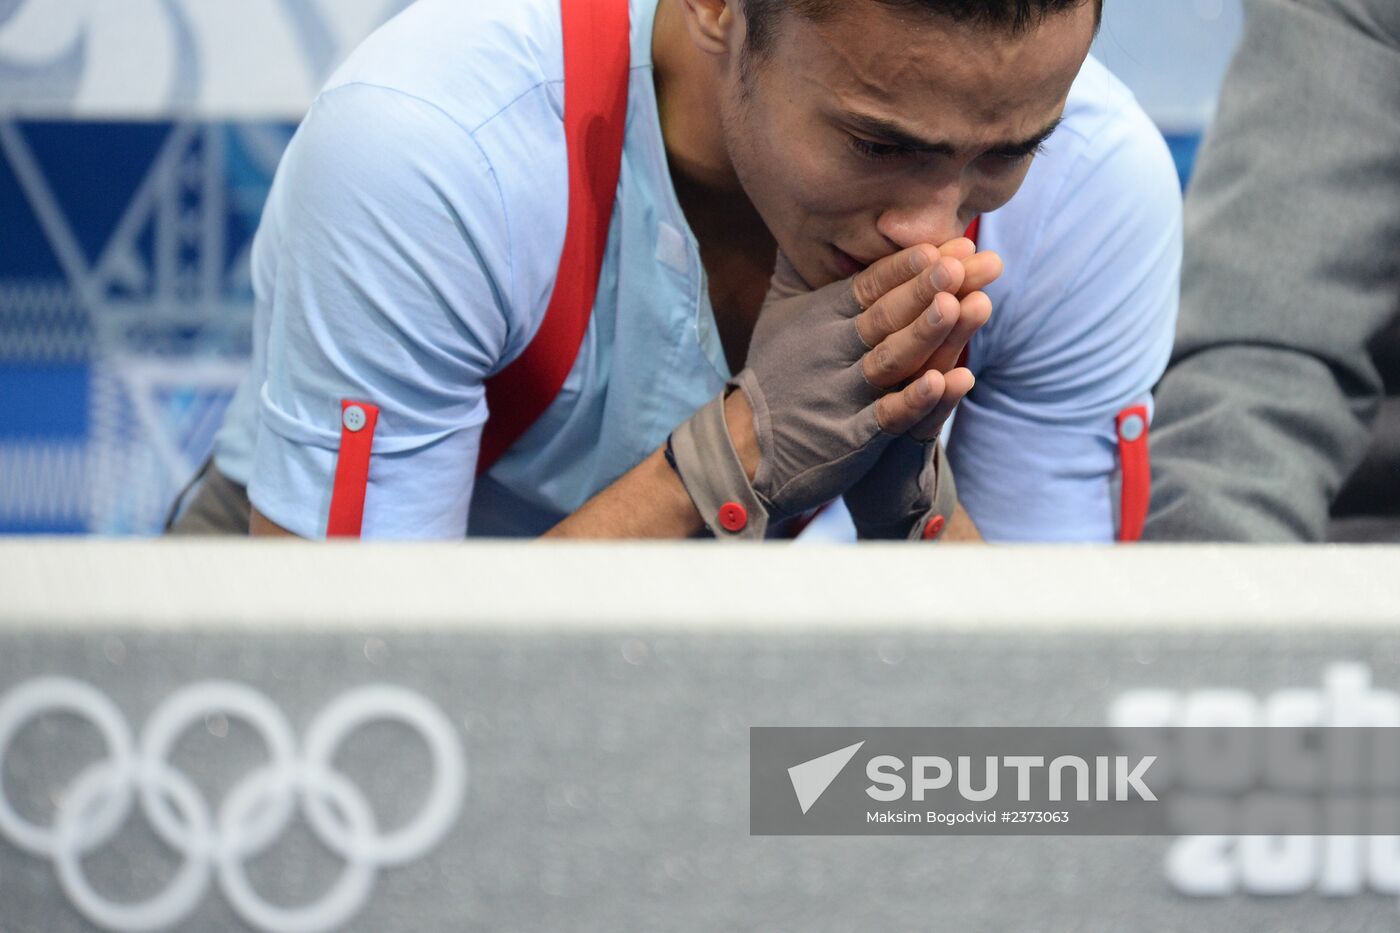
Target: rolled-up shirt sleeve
x,y
387,278
1082,331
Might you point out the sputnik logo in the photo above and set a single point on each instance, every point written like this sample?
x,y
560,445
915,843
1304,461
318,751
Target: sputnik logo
x,y
811,778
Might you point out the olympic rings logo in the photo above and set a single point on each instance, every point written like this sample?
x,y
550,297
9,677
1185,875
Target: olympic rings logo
x,y
252,815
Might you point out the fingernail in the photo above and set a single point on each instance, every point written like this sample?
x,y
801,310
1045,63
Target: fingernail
x,y
941,277
933,315
918,262
925,389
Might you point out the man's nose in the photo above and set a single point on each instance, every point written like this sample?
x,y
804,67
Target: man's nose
x,y
931,217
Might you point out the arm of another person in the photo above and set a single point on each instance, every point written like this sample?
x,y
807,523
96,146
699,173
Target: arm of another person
x,y
1292,266
1081,331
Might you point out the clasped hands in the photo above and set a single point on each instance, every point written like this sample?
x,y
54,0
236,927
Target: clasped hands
x,y
844,389
920,308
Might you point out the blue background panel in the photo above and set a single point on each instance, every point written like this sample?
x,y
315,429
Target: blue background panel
x,y
43,401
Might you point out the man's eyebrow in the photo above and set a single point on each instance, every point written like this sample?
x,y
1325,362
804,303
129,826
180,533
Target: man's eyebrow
x,y
1027,146
890,132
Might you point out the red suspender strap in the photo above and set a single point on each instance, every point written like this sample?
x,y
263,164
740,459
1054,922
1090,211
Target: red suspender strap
x,y
357,421
597,56
1136,472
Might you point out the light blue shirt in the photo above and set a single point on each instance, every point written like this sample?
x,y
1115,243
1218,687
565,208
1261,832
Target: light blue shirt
x,y
410,243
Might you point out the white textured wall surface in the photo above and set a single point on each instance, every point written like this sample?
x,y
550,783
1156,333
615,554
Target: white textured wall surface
x,y
216,59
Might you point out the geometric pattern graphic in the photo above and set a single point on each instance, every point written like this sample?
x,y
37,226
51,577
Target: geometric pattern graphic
x,y
151,59
137,142
125,311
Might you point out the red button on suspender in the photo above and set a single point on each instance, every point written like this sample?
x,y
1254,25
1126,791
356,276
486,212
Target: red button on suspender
x,y
357,423
1136,472
934,528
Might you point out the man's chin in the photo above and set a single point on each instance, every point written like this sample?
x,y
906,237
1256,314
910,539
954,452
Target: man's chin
x,y
844,264
819,266
816,275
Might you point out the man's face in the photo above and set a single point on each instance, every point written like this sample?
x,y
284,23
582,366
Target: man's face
x,y
877,129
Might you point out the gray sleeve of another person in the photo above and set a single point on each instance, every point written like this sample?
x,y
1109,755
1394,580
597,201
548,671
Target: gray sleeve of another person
x,y
1292,267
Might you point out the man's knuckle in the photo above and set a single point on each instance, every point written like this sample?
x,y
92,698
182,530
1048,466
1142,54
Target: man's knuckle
x,y
924,289
927,330
885,360
921,257
880,318
884,417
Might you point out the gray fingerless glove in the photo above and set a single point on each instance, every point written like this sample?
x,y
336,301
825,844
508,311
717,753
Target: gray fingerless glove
x,y
908,494
813,413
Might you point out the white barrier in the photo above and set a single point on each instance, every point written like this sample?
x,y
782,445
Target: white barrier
x,y
601,699
574,585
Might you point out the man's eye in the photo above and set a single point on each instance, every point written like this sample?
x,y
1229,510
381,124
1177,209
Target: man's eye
x,y
1012,159
873,150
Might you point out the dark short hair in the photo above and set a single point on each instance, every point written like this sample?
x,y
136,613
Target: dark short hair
x,y
1010,16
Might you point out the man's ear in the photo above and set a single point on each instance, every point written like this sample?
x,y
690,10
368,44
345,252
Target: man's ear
x,y
715,26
